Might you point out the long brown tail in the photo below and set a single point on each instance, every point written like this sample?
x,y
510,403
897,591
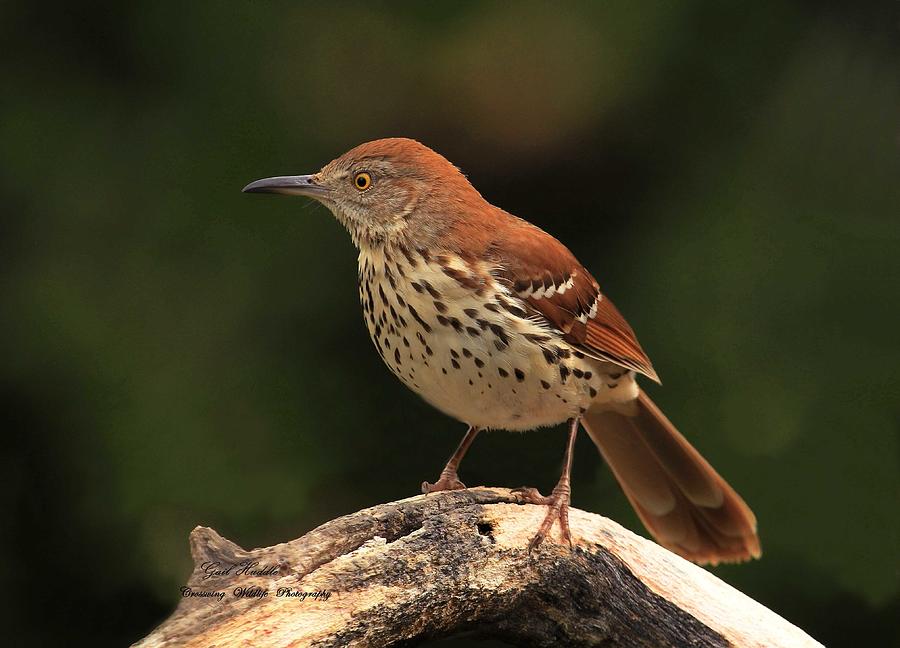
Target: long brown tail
x,y
679,497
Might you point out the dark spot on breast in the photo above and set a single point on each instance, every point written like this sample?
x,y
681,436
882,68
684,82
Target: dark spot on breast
x,y
479,362
431,290
421,337
454,353
443,320
400,300
563,372
405,341
545,384
579,355
428,350
454,363
514,310
503,372
492,307
444,369
578,373
520,375
387,342
497,330
587,375
417,287
613,385
563,353
408,255
593,392
484,324
548,356
440,306
537,338
397,356
470,382
422,323
471,312
466,352
474,332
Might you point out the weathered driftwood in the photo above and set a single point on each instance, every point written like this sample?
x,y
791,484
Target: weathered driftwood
x,y
453,563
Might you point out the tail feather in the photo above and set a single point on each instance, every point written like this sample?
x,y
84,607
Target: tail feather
x,y
678,496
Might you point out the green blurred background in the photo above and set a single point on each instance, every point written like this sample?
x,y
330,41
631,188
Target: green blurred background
x,y
177,353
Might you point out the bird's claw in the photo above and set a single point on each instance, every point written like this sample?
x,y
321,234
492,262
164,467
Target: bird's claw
x,y
529,495
558,503
446,482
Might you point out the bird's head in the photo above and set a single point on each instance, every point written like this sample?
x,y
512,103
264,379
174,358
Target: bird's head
x,y
380,189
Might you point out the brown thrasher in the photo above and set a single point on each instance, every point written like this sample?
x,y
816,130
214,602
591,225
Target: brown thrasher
x,y
494,322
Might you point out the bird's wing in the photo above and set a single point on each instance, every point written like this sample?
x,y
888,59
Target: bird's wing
x,y
549,279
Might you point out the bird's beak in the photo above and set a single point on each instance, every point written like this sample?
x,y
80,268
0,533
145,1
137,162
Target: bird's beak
x,y
301,185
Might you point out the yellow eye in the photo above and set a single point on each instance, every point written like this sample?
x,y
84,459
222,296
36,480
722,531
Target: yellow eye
x,y
362,181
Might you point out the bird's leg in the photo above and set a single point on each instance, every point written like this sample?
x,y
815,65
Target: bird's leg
x,y
559,499
449,480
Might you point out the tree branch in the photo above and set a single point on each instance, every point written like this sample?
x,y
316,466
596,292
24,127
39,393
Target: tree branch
x,y
457,562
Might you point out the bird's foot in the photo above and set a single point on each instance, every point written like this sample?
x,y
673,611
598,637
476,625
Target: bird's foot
x,y
558,501
448,481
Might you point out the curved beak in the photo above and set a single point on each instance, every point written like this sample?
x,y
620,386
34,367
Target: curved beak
x,y
301,185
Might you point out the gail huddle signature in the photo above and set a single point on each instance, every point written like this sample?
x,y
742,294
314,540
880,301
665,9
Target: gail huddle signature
x,y
215,569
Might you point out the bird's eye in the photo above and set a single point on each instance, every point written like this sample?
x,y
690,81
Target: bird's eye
x,y
362,181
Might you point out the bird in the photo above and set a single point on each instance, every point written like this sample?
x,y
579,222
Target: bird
x,y
495,323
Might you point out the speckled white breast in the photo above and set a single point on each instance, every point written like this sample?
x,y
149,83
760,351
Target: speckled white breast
x,y
477,357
